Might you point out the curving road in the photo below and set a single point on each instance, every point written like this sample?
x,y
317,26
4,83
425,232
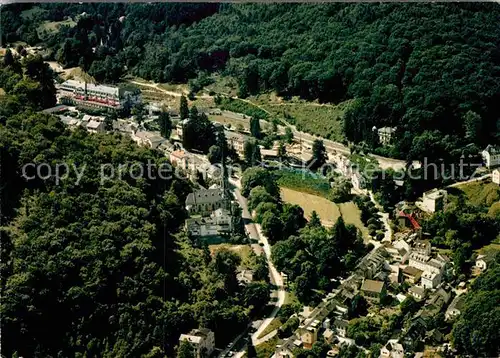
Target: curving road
x,y
254,231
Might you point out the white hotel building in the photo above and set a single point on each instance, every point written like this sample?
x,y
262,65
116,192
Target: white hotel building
x,y
98,96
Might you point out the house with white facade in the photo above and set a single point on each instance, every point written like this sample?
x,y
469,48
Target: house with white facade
x,y
491,156
430,280
202,340
385,135
456,308
94,126
393,349
484,261
495,176
433,200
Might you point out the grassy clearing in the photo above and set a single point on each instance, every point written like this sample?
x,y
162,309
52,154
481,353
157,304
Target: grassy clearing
x,y
304,182
352,215
243,251
33,12
234,123
319,119
275,324
180,88
53,26
266,349
481,194
327,210
240,106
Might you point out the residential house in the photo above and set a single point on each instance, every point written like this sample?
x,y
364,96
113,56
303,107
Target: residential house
x,y
396,275
309,334
456,308
433,200
372,264
385,135
148,139
426,263
408,221
422,247
179,159
495,176
491,156
430,280
244,276
484,261
268,153
237,142
399,255
329,336
373,290
414,334
392,349
203,341
94,126
71,122
417,292
219,222
341,327
412,274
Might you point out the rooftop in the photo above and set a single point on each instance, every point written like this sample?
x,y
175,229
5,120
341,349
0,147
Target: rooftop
x,y
93,124
434,194
372,286
412,271
417,290
204,196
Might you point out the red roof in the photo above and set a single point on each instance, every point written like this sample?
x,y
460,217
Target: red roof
x,y
414,222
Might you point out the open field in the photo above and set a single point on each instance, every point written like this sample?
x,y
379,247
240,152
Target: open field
x,y
243,251
53,26
327,210
304,182
320,119
481,194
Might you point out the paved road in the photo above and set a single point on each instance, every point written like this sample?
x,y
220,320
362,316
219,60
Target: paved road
x,y
307,138
469,181
254,231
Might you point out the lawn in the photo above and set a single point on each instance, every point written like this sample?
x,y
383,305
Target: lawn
x,y
243,251
324,120
239,106
234,123
481,194
304,181
327,210
275,324
53,26
267,349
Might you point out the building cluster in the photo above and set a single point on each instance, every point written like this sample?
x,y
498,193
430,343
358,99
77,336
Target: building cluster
x,y
491,156
96,96
93,124
209,212
410,259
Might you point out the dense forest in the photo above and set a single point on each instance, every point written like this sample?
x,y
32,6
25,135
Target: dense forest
x,y
431,70
101,269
